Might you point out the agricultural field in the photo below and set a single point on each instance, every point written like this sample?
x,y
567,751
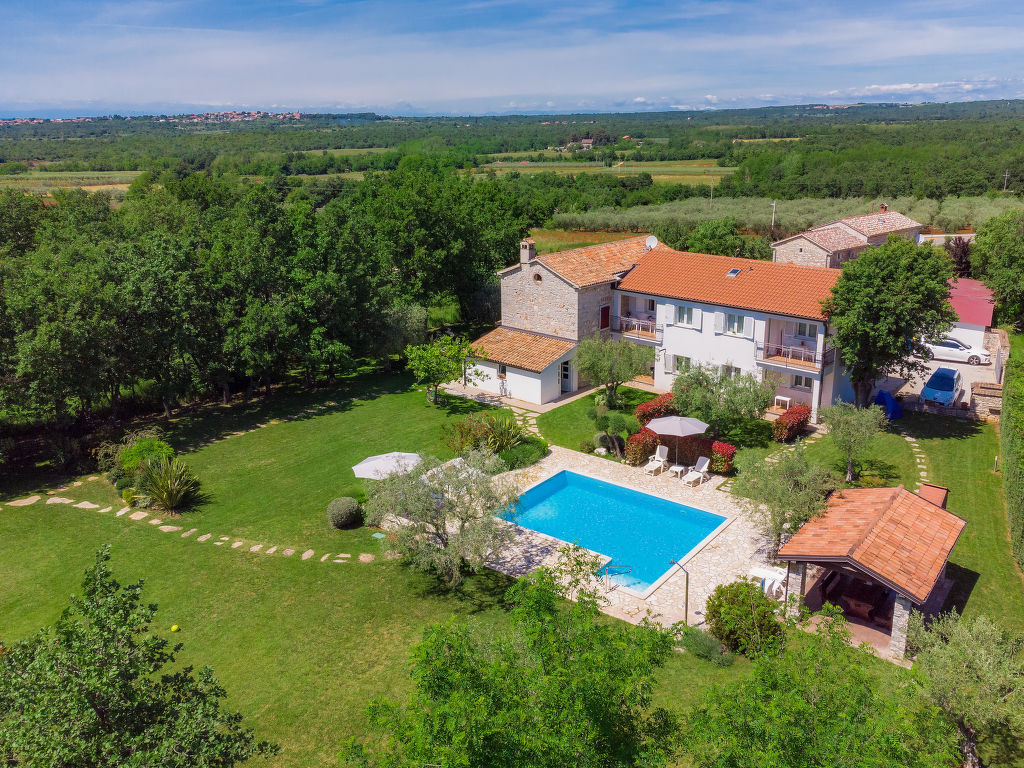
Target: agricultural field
x,y
554,240
45,182
664,172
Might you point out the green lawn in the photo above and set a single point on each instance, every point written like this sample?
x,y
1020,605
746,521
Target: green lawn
x,y
568,425
301,646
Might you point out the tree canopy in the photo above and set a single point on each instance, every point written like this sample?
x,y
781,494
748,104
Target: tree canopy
x,y
723,401
610,364
852,430
998,256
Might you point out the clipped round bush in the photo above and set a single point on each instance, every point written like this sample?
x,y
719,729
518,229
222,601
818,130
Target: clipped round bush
x,y
640,447
344,512
122,483
587,446
528,452
744,618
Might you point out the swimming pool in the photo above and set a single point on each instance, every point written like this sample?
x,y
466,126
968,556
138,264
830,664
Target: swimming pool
x,y
641,533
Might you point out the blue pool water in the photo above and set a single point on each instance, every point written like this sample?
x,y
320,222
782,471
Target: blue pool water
x,y
638,531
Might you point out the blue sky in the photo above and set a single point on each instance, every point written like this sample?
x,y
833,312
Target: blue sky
x,y
493,56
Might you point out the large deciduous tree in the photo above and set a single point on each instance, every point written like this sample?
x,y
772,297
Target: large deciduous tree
x,y
99,689
560,687
443,517
818,704
998,257
609,364
974,672
440,361
721,400
884,307
852,430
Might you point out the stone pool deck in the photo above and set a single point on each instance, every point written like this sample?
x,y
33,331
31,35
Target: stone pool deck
x,y
729,555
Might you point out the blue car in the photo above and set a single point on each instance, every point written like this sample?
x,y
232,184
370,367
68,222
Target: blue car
x,y
943,387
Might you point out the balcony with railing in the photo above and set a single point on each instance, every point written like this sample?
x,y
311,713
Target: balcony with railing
x,y
802,358
637,328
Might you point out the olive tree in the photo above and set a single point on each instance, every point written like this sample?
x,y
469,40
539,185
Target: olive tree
x,y
852,430
721,400
444,517
609,364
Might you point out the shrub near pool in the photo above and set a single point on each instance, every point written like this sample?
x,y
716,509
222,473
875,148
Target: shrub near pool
x,y
528,452
744,618
344,512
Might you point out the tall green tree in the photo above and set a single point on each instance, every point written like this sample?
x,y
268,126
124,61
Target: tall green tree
x,y
441,361
817,703
721,400
998,258
852,430
973,671
609,364
886,304
562,686
100,689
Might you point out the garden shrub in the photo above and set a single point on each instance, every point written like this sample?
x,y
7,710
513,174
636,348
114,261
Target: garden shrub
x,y
170,483
503,432
1011,432
528,452
143,451
722,455
123,482
344,512
660,406
640,447
611,443
791,423
705,646
744,618
588,446
466,434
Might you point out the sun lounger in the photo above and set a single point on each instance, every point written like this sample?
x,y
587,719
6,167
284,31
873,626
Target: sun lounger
x,y
699,473
658,461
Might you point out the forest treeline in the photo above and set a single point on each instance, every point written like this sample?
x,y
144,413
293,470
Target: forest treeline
x,y
204,286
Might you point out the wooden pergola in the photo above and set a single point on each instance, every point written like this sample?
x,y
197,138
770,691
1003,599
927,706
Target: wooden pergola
x,y
878,544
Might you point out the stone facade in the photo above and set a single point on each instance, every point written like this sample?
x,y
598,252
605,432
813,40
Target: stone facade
x,y
533,298
900,624
590,302
800,250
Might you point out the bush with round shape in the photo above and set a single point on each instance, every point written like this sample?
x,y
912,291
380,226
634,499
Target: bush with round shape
x,y
122,483
170,483
143,451
744,618
722,455
640,447
528,452
588,446
705,646
791,423
344,512
662,405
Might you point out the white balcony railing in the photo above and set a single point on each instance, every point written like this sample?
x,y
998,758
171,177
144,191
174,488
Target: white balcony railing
x,y
634,326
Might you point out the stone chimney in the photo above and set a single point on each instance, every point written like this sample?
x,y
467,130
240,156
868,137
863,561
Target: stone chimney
x,y
883,208
527,251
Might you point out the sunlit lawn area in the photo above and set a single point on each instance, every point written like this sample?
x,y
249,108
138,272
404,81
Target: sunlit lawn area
x,y
569,425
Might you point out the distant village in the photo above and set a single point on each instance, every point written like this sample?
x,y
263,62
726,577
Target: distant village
x,y
205,117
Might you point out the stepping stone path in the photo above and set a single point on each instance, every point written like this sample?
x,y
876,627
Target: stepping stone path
x,y
87,505
24,502
271,551
288,552
322,559
236,545
204,537
307,554
58,500
170,528
121,511
105,509
255,547
920,458
189,532
365,557
526,418
90,479
155,521
77,483
140,515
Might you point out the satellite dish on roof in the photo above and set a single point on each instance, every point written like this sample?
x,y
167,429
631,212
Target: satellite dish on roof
x,y
650,242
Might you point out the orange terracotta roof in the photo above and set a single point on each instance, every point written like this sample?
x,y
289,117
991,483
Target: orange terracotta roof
x,y
766,286
879,223
834,239
595,264
522,349
889,534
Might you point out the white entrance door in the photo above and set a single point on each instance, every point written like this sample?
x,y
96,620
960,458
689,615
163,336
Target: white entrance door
x,y
566,376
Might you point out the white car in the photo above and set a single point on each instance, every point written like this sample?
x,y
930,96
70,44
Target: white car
x,y
949,348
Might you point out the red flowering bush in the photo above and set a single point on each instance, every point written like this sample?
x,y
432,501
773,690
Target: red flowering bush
x,y
660,406
722,455
791,423
640,447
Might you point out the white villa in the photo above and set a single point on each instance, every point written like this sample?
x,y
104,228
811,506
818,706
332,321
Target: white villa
x,y
739,314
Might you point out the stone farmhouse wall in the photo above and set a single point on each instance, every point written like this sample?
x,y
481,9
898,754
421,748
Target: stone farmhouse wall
x,y
546,305
590,302
802,251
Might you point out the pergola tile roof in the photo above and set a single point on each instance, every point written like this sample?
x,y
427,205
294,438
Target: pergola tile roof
x,y
522,349
889,534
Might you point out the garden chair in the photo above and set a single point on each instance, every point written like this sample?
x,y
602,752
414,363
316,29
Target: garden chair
x,y
658,461
699,473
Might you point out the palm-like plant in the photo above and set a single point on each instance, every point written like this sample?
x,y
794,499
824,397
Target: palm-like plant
x,y
504,433
171,484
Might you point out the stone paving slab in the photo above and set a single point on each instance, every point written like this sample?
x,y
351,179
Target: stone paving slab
x,y
204,537
24,502
140,515
105,509
170,528
189,532
122,511
307,554
236,545
58,500
86,505
255,547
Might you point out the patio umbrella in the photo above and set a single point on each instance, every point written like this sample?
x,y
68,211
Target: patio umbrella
x,y
677,426
379,467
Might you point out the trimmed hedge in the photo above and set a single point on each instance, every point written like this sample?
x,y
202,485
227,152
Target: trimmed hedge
x,y
528,452
1011,428
722,455
662,405
640,447
791,423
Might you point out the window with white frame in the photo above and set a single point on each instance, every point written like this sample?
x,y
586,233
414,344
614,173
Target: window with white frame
x,y
731,371
734,324
682,363
802,382
501,371
807,330
684,315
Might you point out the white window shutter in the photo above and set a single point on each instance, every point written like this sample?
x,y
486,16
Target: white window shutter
x,y
748,327
719,322
670,362
696,318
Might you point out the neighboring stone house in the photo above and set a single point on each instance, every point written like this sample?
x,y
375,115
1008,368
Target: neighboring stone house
x,y
835,243
549,303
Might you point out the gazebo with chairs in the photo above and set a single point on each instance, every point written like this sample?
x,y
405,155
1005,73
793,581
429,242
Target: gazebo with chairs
x,y
876,553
